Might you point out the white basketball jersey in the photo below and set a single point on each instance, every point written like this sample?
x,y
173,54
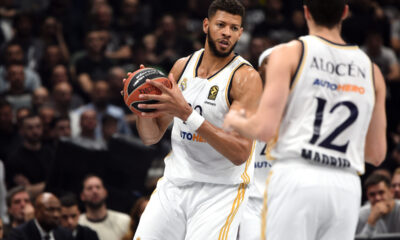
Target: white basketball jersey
x,y
261,170
192,158
329,107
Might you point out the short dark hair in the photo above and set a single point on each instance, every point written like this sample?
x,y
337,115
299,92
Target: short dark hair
x,y
327,13
69,200
233,7
375,179
12,192
91,175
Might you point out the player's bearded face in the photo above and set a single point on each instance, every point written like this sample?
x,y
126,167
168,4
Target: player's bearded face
x,y
212,43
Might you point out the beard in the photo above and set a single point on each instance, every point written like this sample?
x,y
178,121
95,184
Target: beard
x,y
213,47
95,205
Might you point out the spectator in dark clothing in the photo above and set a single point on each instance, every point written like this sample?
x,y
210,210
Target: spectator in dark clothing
x,y
8,131
29,165
93,65
45,226
69,219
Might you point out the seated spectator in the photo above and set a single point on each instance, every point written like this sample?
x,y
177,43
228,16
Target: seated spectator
x,y
3,193
29,165
109,127
45,225
395,185
14,54
93,65
87,137
382,213
107,223
52,58
69,219
17,94
100,103
9,137
20,209
135,215
61,127
383,56
47,114
64,99
21,114
39,97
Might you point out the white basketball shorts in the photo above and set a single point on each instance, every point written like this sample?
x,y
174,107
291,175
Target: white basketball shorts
x,y
197,211
310,202
250,225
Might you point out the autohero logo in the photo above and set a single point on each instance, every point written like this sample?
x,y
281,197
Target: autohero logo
x,y
339,87
194,137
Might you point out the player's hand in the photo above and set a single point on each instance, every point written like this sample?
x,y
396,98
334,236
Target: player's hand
x,y
129,73
170,102
231,117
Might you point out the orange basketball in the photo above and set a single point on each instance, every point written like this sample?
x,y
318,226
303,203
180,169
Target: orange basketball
x,y
136,84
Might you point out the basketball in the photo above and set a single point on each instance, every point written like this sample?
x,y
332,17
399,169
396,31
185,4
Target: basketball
x,y
136,84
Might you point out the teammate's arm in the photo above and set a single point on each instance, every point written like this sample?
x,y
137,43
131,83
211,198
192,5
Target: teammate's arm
x,y
245,94
151,130
282,64
375,144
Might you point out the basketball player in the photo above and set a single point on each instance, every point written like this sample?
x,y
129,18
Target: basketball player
x,y
206,175
250,223
326,100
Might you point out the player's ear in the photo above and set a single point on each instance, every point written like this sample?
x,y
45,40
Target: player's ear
x,y
205,25
345,13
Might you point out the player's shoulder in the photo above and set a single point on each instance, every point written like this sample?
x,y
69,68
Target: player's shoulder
x,y
294,46
179,65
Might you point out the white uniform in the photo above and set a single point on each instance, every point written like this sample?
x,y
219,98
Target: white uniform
x,y
314,191
202,193
250,225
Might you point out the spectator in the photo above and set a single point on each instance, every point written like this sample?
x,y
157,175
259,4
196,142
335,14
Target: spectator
x,y
109,127
3,193
61,127
17,94
52,58
59,74
383,56
21,114
39,97
47,114
15,54
87,137
9,137
45,225
100,103
107,223
114,80
29,165
93,65
395,185
135,215
382,214
64,99
69,219
20,209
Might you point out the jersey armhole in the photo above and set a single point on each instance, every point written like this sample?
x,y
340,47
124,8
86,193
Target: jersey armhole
x,y
228,91
184,68
298,65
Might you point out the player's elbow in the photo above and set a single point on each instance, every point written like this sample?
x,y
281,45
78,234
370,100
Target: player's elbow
x,y
265,133
239,160
376,156
150,141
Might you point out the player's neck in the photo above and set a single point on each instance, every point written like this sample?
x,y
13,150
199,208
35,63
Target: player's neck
x,y
211,64
332,35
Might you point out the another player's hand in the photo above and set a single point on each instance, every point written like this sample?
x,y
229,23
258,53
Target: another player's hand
x,y
231,117
170,102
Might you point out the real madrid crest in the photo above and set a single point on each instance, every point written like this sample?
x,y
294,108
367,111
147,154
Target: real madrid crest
x,y
183,84
212,94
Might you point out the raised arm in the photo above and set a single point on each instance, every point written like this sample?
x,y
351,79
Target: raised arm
x,y
375,144
263,125
151,130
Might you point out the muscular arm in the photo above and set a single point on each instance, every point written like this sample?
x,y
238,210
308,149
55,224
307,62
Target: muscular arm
x,y
375,144
245,92
151,130
263,125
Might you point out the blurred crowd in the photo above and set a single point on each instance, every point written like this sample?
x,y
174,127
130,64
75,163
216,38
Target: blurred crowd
x,y
61,68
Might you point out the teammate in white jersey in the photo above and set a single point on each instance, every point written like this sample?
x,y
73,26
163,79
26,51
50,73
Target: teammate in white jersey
x,y
250,225
206,175
323,104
